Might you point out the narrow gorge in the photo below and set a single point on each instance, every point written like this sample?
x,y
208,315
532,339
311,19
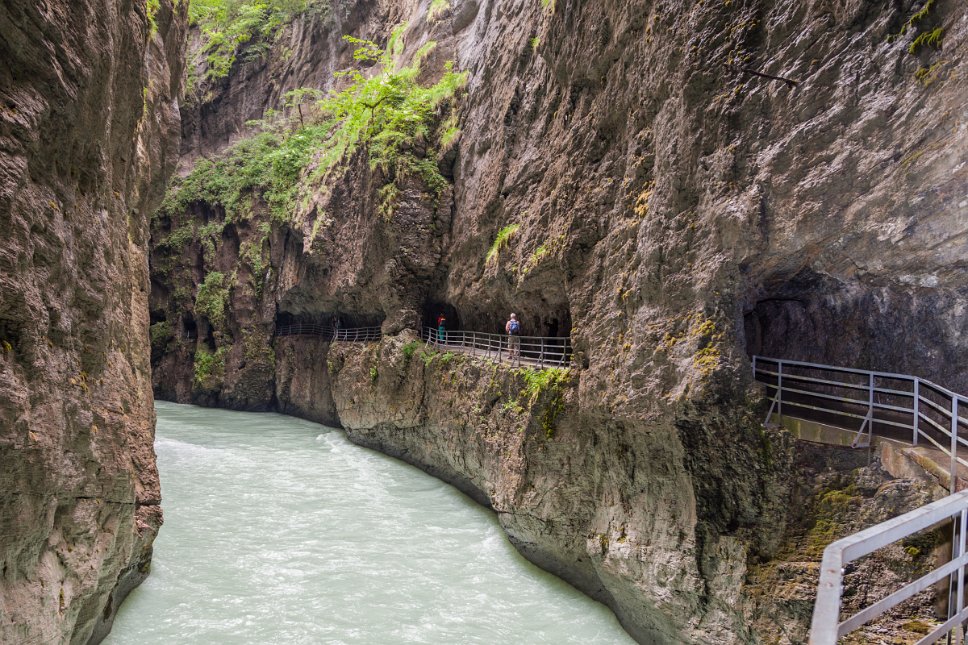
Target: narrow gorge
x,y
671,186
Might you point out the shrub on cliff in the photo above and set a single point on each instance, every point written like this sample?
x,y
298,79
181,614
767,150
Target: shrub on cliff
x,y
161,333
547,386
230,26
213,294
390,114
209,369
502,239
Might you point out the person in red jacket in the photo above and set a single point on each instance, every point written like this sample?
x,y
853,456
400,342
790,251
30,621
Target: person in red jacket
x,y
441,328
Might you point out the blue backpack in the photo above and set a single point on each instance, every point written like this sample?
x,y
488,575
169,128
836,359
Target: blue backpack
x,y
514,328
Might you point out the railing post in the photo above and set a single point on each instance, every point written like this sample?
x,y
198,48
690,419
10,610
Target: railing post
x,y
541,358
917,410
779,389
954,443
961,571
754,368
870,407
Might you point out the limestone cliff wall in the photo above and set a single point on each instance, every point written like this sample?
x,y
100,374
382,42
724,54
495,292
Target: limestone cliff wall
x,y
658,180
685,184
88,133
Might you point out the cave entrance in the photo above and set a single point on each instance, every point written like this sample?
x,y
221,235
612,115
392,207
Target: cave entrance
x,y
550,321
434,308
799,318
189,328
821,321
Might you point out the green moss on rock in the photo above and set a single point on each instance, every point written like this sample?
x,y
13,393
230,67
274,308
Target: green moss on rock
x,y
212,298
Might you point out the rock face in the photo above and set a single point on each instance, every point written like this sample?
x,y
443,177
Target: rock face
x,y
88,126
679,186
686,540
611,505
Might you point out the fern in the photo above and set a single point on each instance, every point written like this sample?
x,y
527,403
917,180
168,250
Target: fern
x,y
502,240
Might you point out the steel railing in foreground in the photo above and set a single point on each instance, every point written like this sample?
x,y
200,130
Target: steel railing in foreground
x,y
529,350
327,332
915,407
827,627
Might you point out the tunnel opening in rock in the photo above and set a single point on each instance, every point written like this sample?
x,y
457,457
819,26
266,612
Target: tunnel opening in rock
x,y
209,340
791,319
189,328
537,318
356,319
817,318
434,308
820,320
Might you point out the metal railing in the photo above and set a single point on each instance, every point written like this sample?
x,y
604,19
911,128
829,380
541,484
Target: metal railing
x,y
826,626
910,407
304,329
527,350
327,332
358,334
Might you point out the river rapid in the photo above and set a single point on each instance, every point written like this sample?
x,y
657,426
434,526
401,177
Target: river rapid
x,y
279,530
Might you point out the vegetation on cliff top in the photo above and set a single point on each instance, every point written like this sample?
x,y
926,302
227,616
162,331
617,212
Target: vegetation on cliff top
x,y
390,114
230,26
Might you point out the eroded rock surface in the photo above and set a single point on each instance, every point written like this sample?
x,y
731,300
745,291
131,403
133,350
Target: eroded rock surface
x,y
88,133
685,184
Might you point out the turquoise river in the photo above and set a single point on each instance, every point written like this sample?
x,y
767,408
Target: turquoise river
x,y
279,530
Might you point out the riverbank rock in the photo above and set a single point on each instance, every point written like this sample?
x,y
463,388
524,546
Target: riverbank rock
x,y
684,540
88,123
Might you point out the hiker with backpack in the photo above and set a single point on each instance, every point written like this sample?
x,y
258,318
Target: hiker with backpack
x,y
513,329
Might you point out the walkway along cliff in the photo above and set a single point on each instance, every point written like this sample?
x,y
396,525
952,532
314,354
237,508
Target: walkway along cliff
x,y
88,136
674,186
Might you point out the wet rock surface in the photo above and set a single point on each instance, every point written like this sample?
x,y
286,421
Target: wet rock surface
x,y
88,134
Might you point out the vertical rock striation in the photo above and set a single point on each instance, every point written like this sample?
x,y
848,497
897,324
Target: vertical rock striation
x,y
88,133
